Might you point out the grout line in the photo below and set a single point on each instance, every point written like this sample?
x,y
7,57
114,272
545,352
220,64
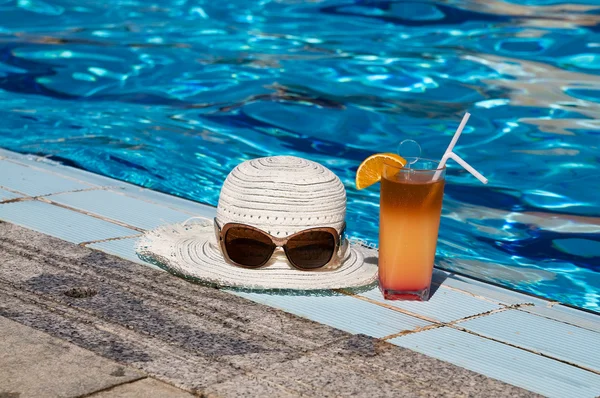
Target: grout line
x,y
120,223
110,188
120,191
388,306
451,323
96,188
477,296
13,191
26,197
462,329
566,322
549,305
109,388
491,312
426,318
513,292
108,239
16,200
52,163
469,293
413,331
143,198
59,165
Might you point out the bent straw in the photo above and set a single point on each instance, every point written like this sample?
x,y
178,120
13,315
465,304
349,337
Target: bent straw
x,y
469,168
451,155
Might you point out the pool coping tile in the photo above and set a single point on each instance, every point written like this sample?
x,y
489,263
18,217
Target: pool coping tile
x,y
6,154
487,291
8,195
124,188
41,164
340,311
512,365
36,183
537,334
344,310
562,313
192,208
56,221
435,309
109,205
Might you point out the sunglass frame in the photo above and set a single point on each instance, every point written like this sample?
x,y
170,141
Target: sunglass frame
x,y
335,259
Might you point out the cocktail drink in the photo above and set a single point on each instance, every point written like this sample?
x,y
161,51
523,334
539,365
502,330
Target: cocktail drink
x,y
409,219
410,208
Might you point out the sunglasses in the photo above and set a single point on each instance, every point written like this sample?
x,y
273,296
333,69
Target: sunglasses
x,y
250,247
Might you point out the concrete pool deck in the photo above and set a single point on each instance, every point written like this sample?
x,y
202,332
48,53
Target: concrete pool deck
x,y
140,323
210,341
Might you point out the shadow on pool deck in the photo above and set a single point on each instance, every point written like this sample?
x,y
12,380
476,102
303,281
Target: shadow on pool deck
x,y
204,340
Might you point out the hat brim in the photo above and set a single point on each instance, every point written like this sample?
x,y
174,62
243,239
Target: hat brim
x,y
191,251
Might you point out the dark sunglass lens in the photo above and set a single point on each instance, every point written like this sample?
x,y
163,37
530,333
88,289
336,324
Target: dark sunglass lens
x,y
310,250
248,247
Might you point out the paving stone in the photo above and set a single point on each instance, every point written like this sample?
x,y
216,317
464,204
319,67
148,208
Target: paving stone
x,y
251,386
186,333
201,339
34,364
361,366
146,388
154,356
164,301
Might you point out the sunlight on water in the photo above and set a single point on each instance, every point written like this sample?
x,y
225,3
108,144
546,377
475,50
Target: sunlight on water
x,y
172,94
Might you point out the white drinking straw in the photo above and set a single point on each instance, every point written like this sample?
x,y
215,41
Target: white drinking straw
x,y
451,155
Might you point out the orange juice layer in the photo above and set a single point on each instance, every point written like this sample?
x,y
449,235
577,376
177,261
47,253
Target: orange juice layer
x,y
408,230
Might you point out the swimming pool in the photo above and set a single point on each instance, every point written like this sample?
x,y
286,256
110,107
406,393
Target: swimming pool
x,y
172,94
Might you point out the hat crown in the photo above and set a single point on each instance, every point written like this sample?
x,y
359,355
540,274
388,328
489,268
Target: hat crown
x,y
282,195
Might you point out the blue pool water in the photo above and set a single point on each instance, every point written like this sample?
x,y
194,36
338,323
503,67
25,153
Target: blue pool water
x,y
171,94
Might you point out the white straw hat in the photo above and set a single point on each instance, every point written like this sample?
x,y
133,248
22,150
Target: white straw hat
x,y
280,195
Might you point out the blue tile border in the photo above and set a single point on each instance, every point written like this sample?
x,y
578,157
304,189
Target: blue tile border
x,y
174,202
52,167
194,209
24,179
495,294
125,209
459,301
437,308
62,223
566,314
538,334
4,153
342,312
499,361
7,195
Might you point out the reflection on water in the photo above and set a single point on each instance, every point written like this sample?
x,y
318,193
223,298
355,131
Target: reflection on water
x,y
172,94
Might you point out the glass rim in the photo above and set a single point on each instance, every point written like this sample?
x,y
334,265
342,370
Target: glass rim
x,y
406,169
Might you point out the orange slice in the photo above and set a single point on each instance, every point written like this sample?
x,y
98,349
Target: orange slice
x,y
370,170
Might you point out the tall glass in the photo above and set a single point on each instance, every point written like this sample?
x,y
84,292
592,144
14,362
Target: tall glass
x,y
409,219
